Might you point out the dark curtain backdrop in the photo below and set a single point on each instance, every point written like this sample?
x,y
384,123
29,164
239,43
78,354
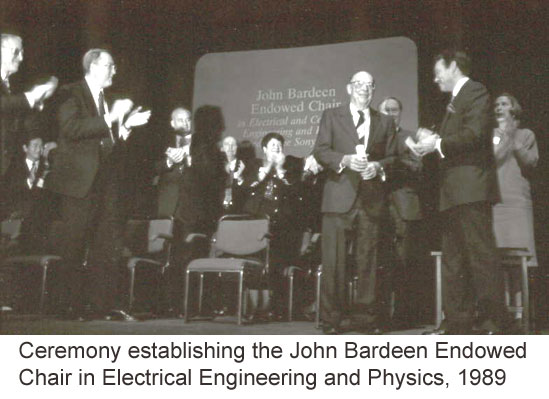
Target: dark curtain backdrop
x,y
156,45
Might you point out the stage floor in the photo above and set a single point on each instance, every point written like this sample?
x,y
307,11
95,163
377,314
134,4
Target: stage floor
x,y
39,325
35,324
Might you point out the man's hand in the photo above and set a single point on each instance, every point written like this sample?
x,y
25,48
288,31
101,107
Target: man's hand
x,y
370,171
137,118
412,145
354,162
240,168
39,93
50,145
175,155
311,165
427,145
120,108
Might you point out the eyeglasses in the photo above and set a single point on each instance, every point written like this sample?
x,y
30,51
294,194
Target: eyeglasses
x,y
358,84
111,67
15,51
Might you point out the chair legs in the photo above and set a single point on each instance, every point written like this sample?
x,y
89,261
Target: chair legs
x,y
291,295
240,304
186,304
438,288
317,310
200,293
132,286
525,294
240,295
43,287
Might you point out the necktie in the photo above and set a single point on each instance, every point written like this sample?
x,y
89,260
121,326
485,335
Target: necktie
x,y
101,104
450,107
101,110
360,119
32,174
6,83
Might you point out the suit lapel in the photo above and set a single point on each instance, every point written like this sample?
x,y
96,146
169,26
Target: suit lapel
x,y
347,121
455,103
374,124
88,98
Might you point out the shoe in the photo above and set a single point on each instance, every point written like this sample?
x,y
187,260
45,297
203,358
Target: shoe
x,y
401,325
330,330
437,331
118,315
172,313
274,316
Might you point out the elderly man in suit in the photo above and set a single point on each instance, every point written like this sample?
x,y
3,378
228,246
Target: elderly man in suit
x,y
85,173
354,198
175,195
404,211
471,273
14,107
175,160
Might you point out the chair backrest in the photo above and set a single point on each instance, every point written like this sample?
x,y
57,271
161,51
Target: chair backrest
x,y
157,229
9,243
242,235
513,256
145,236
11,229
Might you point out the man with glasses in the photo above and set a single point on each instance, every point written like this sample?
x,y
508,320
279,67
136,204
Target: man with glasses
x,y
356,145
15,106
86,173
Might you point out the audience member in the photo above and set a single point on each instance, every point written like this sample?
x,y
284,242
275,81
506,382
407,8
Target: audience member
x,y
171,167
405,212
276,193
516,153
235,193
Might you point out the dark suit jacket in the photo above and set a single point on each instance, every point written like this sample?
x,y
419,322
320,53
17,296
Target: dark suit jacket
x,y
405,180
170,183
13,108
18,196
81,131
337,137
468,170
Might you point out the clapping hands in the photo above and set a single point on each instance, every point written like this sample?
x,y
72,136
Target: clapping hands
x,y
425,144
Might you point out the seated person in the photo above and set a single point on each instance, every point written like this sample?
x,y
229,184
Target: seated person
x,y
23,194
235,192
23,197
275,192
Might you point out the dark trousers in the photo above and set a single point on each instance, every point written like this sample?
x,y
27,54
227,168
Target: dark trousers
x,y
335,271
471,272
91,234
405,245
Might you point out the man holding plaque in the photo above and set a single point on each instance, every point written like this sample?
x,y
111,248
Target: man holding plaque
x,y
356,145
471,273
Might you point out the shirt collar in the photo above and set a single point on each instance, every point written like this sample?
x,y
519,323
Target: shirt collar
x,y
30,163
94,88
459,85
354,110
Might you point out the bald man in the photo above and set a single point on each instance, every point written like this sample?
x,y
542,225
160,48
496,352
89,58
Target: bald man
x,y
176,159
354,198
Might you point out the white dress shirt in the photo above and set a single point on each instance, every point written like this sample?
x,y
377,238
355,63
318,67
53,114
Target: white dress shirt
x,y
363,130
455,92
